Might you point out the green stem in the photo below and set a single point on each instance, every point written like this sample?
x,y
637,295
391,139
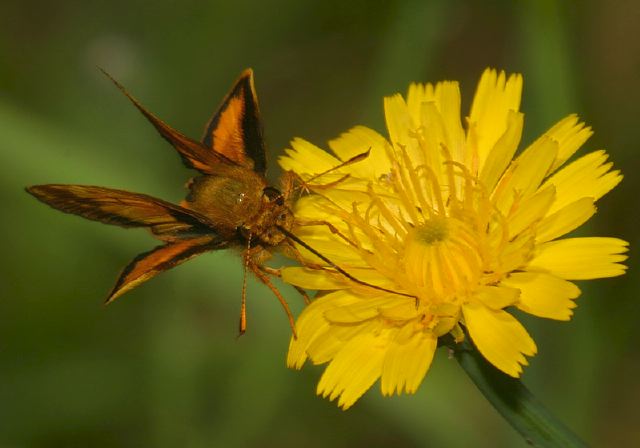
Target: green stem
x,y
514,401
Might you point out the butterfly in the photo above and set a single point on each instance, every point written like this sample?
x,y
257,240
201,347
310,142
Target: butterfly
x,y
229,203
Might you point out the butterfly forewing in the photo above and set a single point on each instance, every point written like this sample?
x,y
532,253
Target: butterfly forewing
x,y
166,221
194,154
236,129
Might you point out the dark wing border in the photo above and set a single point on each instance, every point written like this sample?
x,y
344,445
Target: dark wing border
x,y
251,122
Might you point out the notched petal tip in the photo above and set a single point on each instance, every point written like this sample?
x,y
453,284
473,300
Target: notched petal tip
x,y
499,337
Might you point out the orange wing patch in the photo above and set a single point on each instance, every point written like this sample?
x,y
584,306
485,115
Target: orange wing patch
x,y
228,136
235,130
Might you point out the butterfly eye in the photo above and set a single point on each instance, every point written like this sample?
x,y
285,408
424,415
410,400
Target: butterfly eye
x,y
274,195
271,193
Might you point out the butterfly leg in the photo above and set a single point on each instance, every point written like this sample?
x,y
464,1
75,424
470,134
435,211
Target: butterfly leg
x,y
278,273
263,276
288,183
271,271
303,293
291,251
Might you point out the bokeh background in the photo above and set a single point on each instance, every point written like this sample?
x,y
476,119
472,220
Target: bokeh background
x,y
163,367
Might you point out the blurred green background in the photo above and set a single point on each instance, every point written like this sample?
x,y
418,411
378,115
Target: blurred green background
x,y
162,367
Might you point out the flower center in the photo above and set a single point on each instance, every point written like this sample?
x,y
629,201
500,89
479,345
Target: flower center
x,y
442,260
432,231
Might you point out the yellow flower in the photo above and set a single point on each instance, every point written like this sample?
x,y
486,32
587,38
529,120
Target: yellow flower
x,y
444,230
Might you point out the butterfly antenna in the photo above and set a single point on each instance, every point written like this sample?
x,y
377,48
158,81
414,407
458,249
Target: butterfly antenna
x,y
355,159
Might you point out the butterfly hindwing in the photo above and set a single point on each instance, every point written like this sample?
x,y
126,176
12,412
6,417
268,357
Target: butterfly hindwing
x,y
235,130
166,221
149,264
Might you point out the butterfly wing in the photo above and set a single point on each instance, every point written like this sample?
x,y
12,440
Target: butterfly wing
x,y
168,222
185,232
235,130
194,154
149,264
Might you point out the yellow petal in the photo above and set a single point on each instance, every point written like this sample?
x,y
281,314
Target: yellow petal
x,y
447,96
581,258
402,132
311,324
353,370
589,176
568,218
496,98
434,136
316,208
306,158
517,252
311,278
526,173
357,141
357,312
322,280
325,347
327,202
329,246
570,134
398,119
500,155
399,310
417,95
497,297
544,295
531,210
500,338
406,364
533,165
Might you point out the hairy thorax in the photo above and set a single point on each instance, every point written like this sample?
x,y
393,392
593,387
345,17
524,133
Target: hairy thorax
x,y
241,205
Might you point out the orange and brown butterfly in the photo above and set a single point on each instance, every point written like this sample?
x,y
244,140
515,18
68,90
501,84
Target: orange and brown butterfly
x,y
229,204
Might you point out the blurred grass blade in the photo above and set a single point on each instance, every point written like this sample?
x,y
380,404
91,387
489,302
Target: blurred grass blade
x,y
551,73
514,402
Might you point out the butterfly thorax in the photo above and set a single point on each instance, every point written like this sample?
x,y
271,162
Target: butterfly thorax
x,y
241,206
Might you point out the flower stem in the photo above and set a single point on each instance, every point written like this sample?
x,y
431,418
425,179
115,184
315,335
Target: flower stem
x,y
514,401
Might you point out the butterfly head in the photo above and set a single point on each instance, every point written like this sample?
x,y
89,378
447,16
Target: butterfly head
x,y
275,214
